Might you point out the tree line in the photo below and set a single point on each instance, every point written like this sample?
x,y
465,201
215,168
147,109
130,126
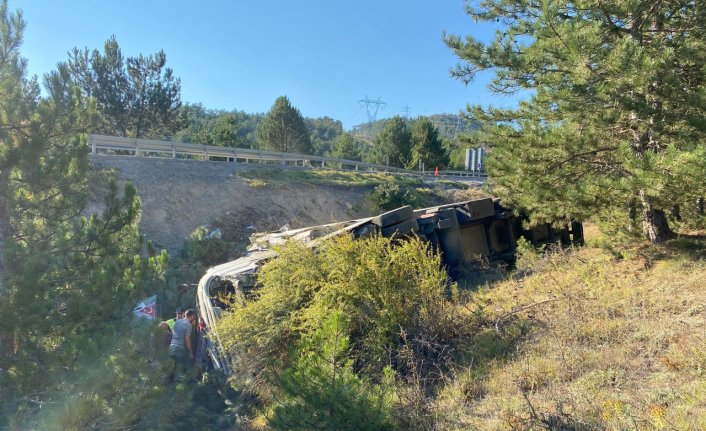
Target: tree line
x,y
141,97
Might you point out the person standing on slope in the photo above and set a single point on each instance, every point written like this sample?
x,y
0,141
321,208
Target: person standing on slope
x,y
180,348
168,326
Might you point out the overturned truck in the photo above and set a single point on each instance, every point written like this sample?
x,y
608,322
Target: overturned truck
x,y
461,232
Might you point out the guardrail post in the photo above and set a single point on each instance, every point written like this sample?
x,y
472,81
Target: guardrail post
x,y
137,148
173,150
92,140
259,156
284,162
206,151
323,162
235,155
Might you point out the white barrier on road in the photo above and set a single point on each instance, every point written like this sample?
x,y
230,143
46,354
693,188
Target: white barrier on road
x,y
151,147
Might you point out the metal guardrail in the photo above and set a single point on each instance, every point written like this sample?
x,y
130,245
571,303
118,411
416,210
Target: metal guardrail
x,y
151,147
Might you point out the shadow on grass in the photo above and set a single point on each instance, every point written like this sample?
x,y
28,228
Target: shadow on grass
x,y
682,246
693,246
493,338
471,276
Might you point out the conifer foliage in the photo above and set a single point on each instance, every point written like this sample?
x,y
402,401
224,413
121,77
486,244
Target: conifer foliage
x,y
404,144
345,147
614,118
135,96
283,129
392,145
427,146
70,279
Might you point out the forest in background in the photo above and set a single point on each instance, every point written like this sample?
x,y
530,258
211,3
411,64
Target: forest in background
x,y
141,97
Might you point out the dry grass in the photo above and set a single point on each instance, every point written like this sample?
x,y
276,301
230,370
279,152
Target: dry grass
x,y
275,175
588,341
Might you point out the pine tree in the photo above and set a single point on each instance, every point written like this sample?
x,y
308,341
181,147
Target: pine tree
x,y
323,131
392,146
614,119
283,129
69,280
427,147
135,97
345,147
321,390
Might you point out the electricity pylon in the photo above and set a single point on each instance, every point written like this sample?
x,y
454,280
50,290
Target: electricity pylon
x,y
372,107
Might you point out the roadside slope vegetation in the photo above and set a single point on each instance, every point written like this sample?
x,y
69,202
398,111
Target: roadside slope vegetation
x,y
613,343
579,339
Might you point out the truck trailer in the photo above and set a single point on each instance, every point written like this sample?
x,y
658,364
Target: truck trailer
x,y
461,233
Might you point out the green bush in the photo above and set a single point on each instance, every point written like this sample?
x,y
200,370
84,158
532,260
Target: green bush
x,y
323,392
392,317
125,386
390,195
527,256
198,247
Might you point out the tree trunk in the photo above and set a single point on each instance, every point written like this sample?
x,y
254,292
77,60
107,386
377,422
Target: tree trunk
x,y
632,216
676,212
700,206
4,222
655,227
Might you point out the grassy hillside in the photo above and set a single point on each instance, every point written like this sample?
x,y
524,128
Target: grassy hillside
x,y
601,337
587,340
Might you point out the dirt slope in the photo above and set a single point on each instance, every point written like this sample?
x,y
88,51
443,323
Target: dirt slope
x,y
179,195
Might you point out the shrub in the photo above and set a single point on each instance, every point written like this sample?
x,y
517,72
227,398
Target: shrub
x,y
527,256
204,247
323,392
393,316
390,195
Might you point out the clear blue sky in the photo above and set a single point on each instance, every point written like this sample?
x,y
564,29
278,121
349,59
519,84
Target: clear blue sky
x,y
325,55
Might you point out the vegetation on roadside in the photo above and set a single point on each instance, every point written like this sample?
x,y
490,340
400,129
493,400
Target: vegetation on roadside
x,y
386,191
575,339
325,349
276,175
611,343
71,354
371,334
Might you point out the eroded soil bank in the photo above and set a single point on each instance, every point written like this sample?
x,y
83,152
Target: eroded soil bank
x,y
178,196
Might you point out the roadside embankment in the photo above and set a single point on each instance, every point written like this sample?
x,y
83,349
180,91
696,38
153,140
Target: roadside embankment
x,y
178,196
